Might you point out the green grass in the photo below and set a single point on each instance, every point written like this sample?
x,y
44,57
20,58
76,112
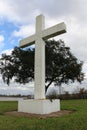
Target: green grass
x,y
74,121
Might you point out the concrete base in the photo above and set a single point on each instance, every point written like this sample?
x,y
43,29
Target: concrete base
x,y
39,106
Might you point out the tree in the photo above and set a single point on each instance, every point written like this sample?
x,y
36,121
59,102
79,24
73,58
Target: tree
x,y
61,65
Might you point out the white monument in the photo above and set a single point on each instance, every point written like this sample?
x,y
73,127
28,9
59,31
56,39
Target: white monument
x,y
39,104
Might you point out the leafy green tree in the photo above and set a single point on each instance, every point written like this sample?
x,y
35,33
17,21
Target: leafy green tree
x,y
61,65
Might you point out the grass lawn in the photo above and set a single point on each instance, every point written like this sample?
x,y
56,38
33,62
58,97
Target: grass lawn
x,y
74,121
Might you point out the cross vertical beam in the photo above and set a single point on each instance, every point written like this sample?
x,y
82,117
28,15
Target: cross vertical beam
x,y
39,60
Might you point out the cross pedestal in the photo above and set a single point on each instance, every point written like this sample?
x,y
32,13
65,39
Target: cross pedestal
x,y
39,104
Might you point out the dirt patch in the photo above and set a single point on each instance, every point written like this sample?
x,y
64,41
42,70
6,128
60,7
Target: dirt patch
x,y
29,115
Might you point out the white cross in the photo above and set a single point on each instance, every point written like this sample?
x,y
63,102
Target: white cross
x,y
38,38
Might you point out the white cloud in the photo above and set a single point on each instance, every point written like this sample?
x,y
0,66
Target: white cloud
x,y
15,88
25,11
8,51
24,31
1,38
2,42
20,11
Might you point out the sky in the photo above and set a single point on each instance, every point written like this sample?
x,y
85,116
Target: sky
x,y
17,21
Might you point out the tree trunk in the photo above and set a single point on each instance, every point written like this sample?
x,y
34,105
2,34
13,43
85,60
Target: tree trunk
x,y
47,86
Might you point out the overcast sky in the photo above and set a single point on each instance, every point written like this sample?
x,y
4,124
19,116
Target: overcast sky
x,y
17,20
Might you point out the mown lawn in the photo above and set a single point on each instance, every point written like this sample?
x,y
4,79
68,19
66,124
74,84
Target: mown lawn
x,y
74,121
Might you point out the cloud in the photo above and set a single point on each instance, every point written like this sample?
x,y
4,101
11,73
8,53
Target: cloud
x,y
17,10
24,11
2,41
1,38
15,88
8,51
24,31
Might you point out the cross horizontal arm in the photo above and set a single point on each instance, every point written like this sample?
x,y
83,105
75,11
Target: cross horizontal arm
x,y
27,41
54,31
